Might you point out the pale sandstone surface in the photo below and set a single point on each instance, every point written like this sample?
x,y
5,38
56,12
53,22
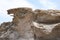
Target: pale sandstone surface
x,y
43,22
31,24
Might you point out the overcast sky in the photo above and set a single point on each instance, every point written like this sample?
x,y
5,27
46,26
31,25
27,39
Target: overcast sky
x,y
35,4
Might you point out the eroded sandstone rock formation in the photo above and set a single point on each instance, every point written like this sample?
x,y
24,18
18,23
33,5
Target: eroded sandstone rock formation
x,y
23,19
46,26
32,25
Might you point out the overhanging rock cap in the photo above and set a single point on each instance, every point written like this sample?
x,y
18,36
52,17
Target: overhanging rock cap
x,y
14,10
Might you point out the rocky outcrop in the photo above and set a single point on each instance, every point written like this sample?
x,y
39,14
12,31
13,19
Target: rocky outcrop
x,y
46,25
23,18
45,16
32,25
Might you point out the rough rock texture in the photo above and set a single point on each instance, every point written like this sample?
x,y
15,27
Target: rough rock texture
x,y
23,19
47,16
47,25
31,25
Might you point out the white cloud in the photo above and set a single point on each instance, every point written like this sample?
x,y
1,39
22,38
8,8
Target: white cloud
x,y
7,4
47,4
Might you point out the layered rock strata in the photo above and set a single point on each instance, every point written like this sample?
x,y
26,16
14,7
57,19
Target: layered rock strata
x,y
31,24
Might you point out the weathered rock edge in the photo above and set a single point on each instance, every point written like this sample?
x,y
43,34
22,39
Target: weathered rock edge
x,y
23,18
